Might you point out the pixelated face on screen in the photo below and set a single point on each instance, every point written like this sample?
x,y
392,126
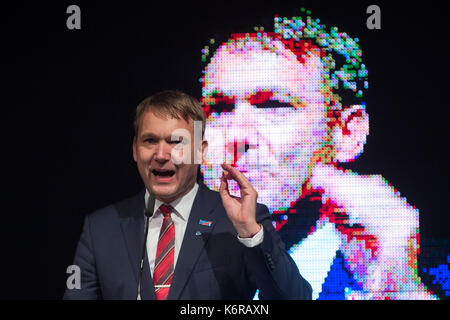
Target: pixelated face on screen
x,y
266,117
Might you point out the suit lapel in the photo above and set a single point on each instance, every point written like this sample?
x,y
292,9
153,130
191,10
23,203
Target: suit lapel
x,y
195,238
132,225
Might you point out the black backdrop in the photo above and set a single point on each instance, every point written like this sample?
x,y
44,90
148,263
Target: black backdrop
x,y
68,97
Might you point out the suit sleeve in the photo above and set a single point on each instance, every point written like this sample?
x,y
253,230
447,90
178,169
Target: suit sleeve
x,y
85,259
271,268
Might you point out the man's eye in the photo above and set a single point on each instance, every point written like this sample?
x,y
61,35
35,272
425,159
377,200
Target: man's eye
x,y
149,140
178,140
273,104
219,103
222,107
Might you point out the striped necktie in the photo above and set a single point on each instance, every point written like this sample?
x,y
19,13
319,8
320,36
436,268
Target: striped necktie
x,y
163,272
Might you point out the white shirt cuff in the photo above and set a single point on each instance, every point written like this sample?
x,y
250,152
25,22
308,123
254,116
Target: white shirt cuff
x,y
254,241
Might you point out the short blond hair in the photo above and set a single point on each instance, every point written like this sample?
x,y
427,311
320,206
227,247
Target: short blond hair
x,y
171,103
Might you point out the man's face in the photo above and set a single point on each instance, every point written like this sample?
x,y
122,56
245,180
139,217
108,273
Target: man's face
x,y
274,124
156,149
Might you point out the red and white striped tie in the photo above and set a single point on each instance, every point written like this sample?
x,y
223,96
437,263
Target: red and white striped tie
x,y
163,272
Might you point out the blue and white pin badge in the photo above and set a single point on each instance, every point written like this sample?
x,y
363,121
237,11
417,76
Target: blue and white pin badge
x,y
205,223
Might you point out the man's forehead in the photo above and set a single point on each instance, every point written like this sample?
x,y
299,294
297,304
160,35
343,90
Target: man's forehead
x,y
241,72
161,124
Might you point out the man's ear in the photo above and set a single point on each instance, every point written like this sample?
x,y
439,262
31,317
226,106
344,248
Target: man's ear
x,y
350,136
134,149
204,150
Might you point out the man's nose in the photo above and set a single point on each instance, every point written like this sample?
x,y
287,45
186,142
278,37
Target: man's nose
x,y
162,152
243,119
244,109
237,149
243,130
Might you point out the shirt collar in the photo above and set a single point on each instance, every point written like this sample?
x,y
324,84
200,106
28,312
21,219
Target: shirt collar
x,y
182,205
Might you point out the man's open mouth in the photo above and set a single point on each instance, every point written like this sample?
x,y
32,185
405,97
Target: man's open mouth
x,y
163,173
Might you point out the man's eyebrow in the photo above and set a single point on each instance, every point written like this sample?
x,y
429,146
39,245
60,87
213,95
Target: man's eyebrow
x,y
148,135
151,135
260,96
219,96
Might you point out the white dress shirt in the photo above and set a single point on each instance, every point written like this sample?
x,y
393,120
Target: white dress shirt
x,y
180,216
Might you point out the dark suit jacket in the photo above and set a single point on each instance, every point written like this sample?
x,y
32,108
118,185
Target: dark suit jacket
x,y
210,265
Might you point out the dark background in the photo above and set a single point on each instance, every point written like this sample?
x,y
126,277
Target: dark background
x,y
68,99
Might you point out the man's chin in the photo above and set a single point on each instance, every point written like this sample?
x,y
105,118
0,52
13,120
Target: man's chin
x,y
163,191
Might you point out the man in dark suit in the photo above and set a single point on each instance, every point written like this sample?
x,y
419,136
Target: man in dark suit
x,y
201,244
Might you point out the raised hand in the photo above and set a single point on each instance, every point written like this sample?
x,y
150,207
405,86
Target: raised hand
x,y
241,211
372,203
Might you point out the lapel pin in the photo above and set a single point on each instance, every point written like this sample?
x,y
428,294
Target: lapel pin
x,y
198,233
205,223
